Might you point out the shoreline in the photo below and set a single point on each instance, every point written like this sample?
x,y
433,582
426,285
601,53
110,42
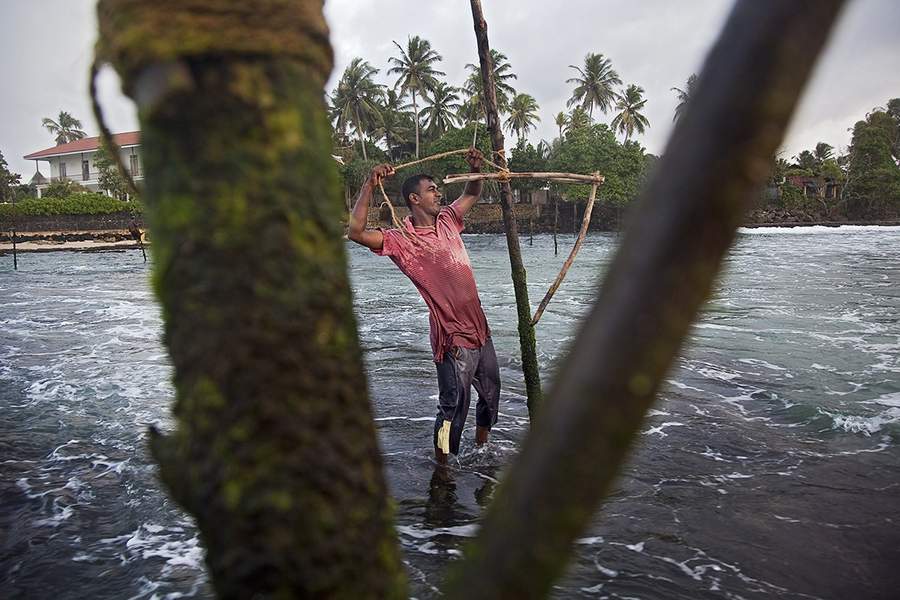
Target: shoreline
x,y
118,240
32,247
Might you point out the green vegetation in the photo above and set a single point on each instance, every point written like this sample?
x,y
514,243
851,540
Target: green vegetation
x,y
589,148
78,203
110,179
861,185
422,114
8,181
873,174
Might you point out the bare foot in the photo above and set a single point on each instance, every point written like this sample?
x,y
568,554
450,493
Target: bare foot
x,y
481,435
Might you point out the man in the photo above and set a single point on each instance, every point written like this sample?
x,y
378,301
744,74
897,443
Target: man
x,y
429,250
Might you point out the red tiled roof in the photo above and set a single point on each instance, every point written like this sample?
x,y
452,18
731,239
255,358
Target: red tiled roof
x,y
129,138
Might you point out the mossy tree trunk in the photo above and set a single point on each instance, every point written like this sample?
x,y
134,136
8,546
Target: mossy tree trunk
x,y
275,451
527,342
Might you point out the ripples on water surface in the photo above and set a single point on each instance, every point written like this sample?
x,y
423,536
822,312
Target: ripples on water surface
x,y
770,466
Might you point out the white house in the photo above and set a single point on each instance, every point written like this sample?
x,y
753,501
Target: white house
x,y
75,161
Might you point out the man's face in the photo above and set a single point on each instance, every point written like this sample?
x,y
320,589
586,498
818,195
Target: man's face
x,y
429,197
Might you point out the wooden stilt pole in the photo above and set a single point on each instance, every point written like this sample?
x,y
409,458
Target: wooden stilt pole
x,y
527,341
555,225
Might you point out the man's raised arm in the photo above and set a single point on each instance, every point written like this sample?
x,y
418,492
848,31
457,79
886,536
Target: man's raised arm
x,y
356,231
472,192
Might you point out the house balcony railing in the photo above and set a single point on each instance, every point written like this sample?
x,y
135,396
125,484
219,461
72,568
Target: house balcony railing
x,y
93,177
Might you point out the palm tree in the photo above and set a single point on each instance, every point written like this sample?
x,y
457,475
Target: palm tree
x,y
684,95
416,71
595,85
66,129
545,149
474,86
561,120
577,119
356,100
396,124
440,115
630,118
523,115
823,152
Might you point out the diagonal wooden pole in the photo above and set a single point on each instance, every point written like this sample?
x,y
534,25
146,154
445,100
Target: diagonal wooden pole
x,y
585,223
527,342
685,222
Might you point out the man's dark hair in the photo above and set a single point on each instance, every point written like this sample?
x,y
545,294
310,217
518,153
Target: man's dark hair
x,y
411,186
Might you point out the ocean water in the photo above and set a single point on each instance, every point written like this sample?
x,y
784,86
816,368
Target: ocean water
x,y
769,466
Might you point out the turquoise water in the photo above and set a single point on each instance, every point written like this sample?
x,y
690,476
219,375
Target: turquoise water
x,y
770,466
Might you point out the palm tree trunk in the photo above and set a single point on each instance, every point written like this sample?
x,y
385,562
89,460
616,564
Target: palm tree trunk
x,y
527,342
359,132
416,113
274,451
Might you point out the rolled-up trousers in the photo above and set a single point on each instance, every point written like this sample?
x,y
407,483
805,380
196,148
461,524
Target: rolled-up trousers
x,y
458,372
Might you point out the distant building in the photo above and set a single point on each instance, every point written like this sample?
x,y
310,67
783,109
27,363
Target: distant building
x,y
825,188
75,161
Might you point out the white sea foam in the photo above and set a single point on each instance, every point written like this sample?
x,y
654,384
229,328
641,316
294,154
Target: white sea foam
x,y
818,229
711,372
420,532
589,541
719,327
886,400
716,456
177,552
683,386
865,425
658,430
761,363
639,547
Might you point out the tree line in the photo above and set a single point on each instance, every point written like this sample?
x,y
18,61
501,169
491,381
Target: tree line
x,y
867,174
422,114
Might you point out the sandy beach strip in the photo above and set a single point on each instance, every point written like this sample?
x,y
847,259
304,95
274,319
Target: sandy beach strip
x,y
78,241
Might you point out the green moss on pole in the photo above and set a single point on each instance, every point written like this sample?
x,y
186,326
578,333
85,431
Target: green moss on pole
x,y
275,451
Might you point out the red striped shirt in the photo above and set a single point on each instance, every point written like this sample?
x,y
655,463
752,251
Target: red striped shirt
x,y
435,260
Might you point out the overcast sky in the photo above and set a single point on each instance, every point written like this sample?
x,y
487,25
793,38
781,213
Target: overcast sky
x,y
47,45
